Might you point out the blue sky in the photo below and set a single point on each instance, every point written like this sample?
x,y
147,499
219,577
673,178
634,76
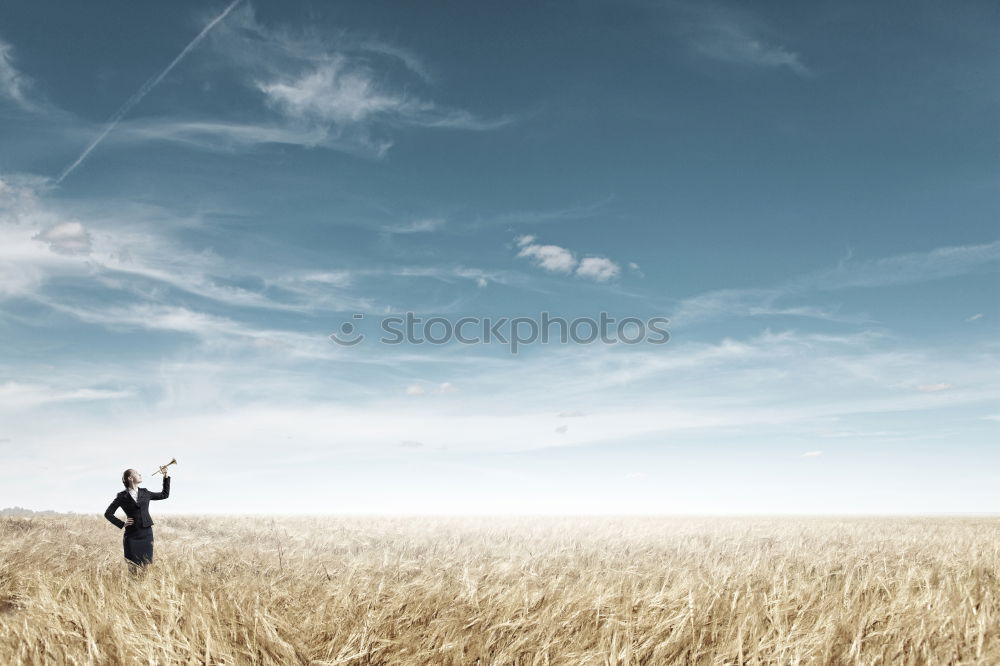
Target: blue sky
x,y
193,196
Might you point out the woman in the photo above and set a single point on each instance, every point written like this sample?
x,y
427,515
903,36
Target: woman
x,y
138,538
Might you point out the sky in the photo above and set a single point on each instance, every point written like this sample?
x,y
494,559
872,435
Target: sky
x,y
195,195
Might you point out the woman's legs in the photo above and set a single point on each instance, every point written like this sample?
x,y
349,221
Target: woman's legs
x,y
138,547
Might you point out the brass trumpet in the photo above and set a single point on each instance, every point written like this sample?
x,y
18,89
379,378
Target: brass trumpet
x,y
163,468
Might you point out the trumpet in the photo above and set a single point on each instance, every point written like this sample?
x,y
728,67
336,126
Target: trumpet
x,y
163,468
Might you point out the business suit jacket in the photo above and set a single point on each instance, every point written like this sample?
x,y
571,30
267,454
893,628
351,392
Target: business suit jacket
x,y
138,509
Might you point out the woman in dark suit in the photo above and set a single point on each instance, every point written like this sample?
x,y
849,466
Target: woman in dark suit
x,y
137,540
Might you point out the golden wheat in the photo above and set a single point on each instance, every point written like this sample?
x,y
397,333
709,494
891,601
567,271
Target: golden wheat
x,y
608,591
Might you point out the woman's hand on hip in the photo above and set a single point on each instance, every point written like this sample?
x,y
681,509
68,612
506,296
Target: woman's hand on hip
x,y
129,521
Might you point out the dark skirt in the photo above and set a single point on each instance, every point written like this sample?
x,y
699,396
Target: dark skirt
x,y
138,545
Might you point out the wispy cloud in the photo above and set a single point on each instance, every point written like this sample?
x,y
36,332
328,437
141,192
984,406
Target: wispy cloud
x,y
731,36
121,254
218,334
411,60
17,395
425,388
333,92
14,85
452,274
449,274
934,388
910,268
729,42
40,244
752,302
584,211
344,94
812,454
424,225
835,381
219,135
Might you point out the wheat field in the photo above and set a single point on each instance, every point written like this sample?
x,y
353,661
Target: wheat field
x,y
607,591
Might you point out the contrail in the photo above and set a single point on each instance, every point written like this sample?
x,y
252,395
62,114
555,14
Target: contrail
x,y
142,92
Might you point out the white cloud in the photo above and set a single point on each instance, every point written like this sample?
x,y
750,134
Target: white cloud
x,y
812,454
598,268
550,257
66,238
557,259
562,429
975,317
415,389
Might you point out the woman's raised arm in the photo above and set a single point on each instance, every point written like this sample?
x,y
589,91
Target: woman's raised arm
x,y
163,494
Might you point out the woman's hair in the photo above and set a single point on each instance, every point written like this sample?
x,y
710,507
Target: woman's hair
x,y
126,478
